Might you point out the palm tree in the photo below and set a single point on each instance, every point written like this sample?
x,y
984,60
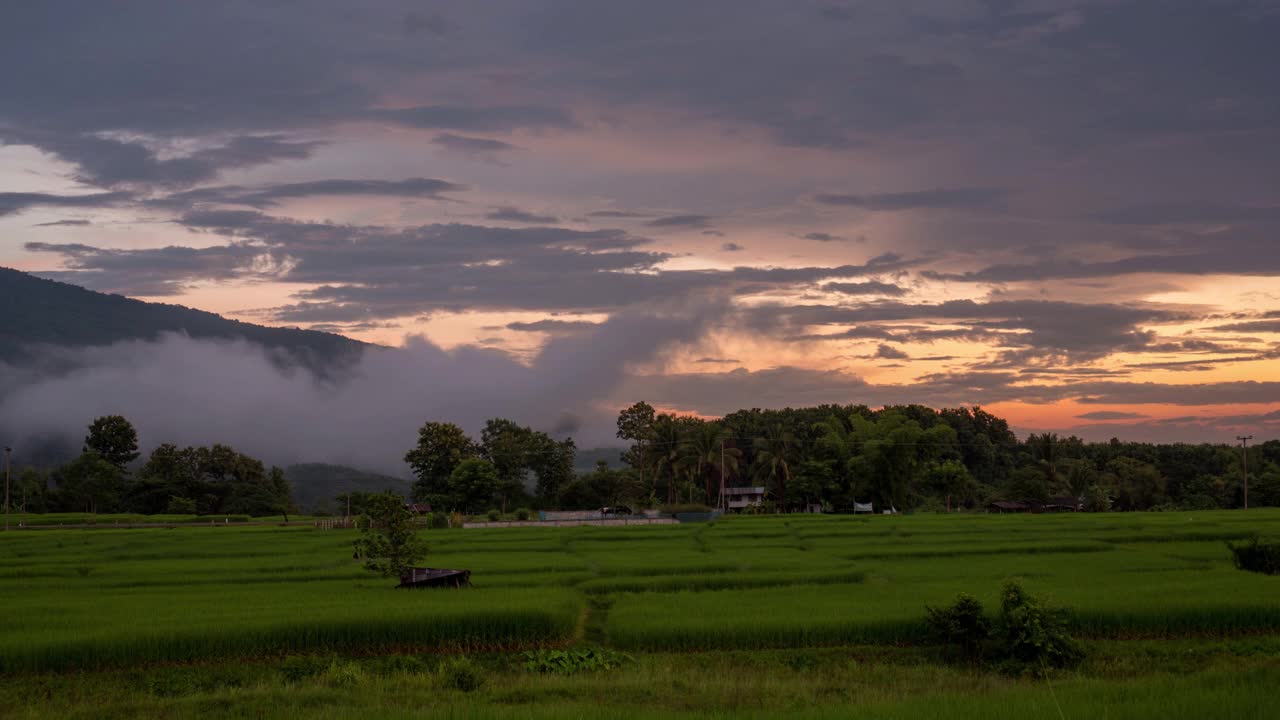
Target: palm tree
x,y
706,453
663,453
774,453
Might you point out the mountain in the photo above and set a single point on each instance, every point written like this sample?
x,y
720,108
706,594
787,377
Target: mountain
x,y
585,460
316,484
35,312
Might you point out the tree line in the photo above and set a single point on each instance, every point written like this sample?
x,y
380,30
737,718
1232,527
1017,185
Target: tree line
x,y
915,457
908,457
212,480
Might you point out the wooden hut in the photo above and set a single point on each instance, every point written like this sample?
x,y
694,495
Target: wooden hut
x,y
434,578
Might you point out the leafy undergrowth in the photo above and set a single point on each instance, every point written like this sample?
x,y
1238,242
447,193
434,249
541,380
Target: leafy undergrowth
x,y
1119,680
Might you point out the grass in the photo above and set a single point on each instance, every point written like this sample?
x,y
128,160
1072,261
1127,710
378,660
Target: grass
x,y
783,616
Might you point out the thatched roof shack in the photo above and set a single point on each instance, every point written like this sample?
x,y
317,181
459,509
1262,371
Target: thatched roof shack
x,y
1008,506
434,578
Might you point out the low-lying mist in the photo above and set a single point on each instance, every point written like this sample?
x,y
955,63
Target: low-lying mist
x,y
200,392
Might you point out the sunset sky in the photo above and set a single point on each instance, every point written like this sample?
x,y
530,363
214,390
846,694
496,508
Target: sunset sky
x,y
1065,211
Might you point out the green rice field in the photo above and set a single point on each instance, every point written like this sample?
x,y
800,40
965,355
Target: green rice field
x,y
797,616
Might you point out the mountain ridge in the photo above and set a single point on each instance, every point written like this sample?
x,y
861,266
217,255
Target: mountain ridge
x,y
41,312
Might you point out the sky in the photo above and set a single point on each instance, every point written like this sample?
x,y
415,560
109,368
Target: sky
x,y
1065,211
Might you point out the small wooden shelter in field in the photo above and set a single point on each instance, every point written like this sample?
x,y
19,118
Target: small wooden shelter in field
x,y
434,578
1008,506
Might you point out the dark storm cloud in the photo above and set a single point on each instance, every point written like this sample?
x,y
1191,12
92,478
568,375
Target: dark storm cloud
x,y
271,195
673,221
1270,326
476,147
12,203
1247,251
620,214
936,199
552,326
106,162
516,215
732,247
870,287
1111,415
151,272
363,273
64,223
822,237
889,352
1078,331
477,119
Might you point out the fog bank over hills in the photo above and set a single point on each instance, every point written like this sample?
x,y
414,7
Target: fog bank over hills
x,y
362,410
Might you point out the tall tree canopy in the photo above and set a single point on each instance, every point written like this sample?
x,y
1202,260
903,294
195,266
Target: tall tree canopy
x,y
113,439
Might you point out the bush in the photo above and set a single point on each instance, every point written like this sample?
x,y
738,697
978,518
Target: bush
x,y
1035,636
342,674
571,662
456,519
1096,499
494,515
1260,556
438,521
523,514
963,625
461,674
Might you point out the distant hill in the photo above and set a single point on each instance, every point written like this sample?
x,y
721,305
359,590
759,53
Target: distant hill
x,y
585,460
316,484
35,311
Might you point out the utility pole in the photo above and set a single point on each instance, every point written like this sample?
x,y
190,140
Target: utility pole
x,y
7,450
721,503
1244,463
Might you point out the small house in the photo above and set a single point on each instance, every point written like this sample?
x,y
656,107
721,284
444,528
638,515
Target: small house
x,y
1008,506
418,508
740,498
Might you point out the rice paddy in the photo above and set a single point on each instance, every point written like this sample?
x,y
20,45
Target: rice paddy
x,y
739,593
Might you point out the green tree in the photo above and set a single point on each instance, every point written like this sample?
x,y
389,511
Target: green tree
x,y
705,453
91,484
441,448
1138,485
636,424
113,438
775,451
388,543
473,485
951,480
889,455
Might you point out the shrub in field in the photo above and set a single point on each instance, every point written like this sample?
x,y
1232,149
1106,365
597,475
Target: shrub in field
x,y
963,625
438,521
456,519
342,674
388,543
494,515
461,674
522,514
572,662
1257,555
1034,635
